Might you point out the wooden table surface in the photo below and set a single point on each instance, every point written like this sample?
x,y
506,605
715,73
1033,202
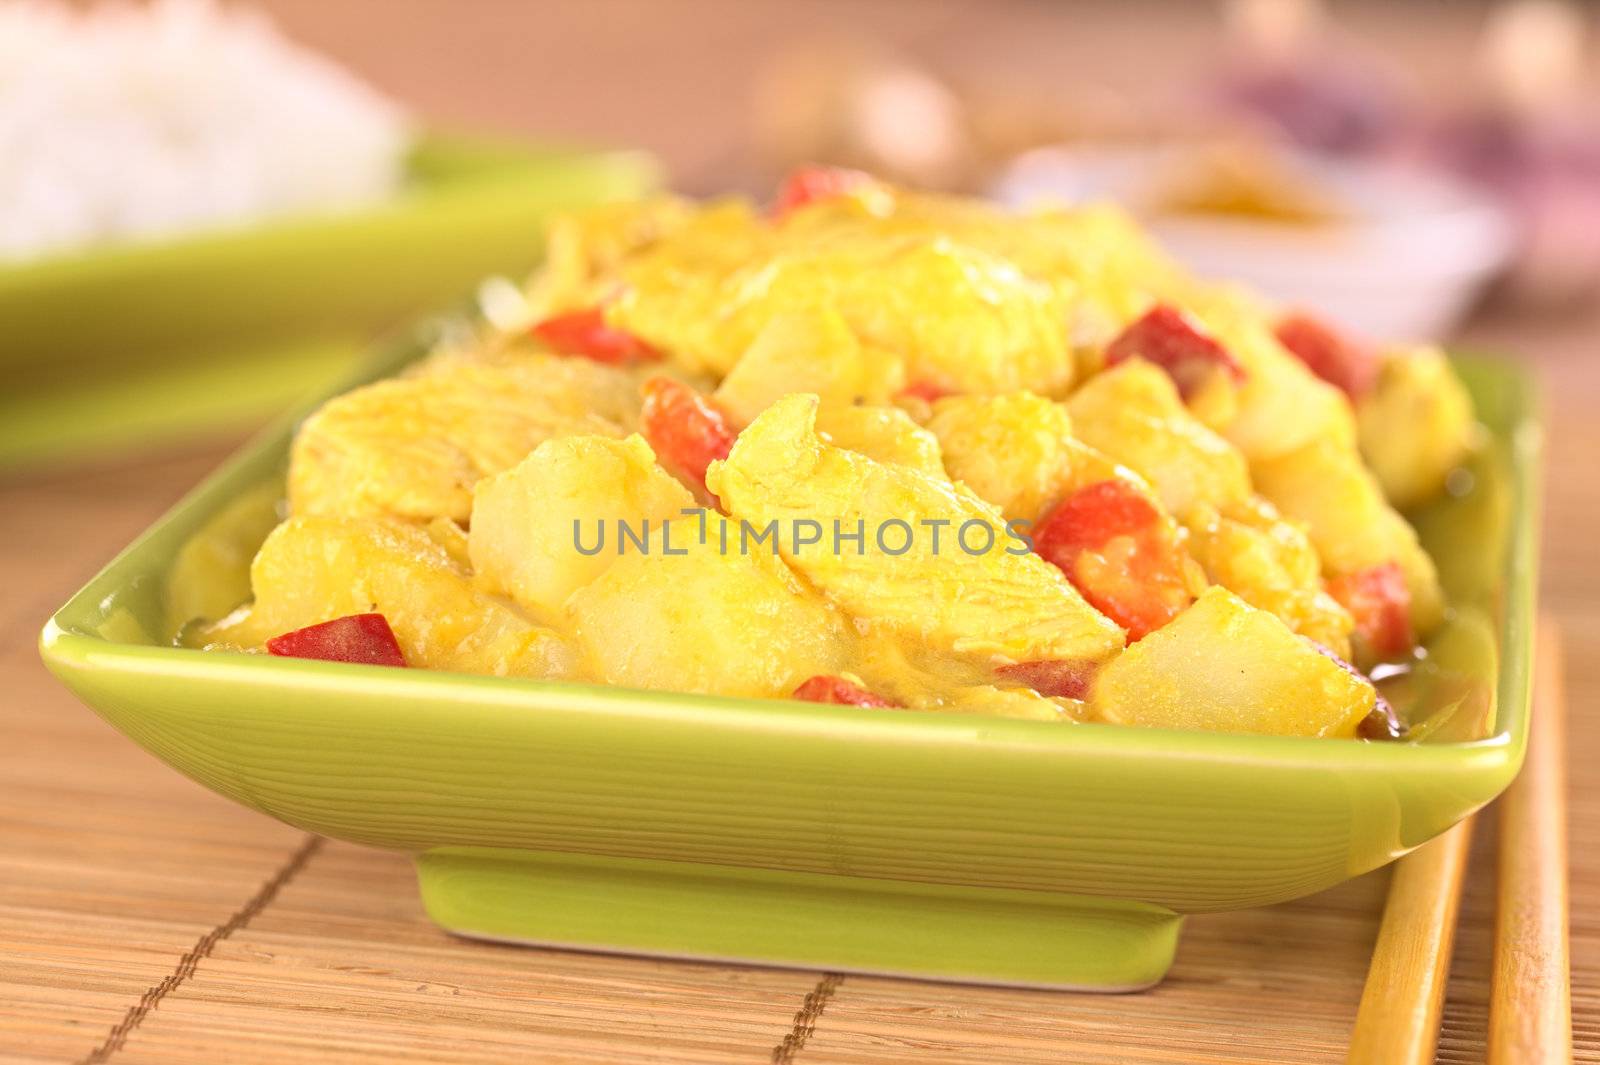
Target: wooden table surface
x,y
143,919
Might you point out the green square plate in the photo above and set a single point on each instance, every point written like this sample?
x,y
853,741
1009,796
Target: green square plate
x,y
937,845
111,345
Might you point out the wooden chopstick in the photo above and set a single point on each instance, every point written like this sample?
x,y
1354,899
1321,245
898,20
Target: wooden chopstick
x,y
1530,1001
1397,1022
1530,1009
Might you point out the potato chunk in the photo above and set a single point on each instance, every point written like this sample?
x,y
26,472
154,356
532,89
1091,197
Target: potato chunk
x,y
528,522
1013,449
1281,405
314,569
1133,414
412,447
979,593
706,619
1223,665
1416,425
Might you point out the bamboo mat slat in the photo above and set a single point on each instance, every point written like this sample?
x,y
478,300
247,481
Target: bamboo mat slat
x,y
119,879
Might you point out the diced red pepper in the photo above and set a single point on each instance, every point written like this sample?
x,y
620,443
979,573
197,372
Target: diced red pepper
x,y
1337,359
586,333
1380,602
829,689
925,390
1072,678
811,184
1113,546
1178,344
686,431
362,638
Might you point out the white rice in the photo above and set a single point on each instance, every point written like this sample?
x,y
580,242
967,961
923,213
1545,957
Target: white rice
x,y
126,122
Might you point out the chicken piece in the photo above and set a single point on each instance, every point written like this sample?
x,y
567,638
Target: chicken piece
x,y
917,678
1014,450
703,615
1096,257
884,433
963,320
1222,665
991,700
1352,526
979,592
674,294
1133,414
587,245
315,569
1416,425
541,529
808,352
1270,564
412,448
453,538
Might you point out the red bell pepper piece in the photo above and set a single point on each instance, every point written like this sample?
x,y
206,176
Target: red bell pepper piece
x,y
925,390
1113,546
586,333
829,689
1178,344
1342,362
1072,678
1380,602
362,638
811,184
685,430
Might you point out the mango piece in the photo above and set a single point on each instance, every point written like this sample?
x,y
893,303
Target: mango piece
x,y
1224,666
529,522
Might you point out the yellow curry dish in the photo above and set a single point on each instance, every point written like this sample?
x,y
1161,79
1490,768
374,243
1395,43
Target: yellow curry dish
x,y
883,448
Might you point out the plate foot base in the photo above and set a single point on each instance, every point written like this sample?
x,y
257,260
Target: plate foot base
x,y
802,920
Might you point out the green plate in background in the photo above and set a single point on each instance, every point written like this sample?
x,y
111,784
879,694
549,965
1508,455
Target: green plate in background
x,y
947,846
112,347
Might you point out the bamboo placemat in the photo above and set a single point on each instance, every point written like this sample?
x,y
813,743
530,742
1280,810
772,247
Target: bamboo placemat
x,y
144,920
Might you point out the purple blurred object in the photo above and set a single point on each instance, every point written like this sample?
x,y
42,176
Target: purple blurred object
x,y
1321,107
1545,171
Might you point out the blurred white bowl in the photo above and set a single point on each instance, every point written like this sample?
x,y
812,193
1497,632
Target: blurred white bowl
x,y
1408,261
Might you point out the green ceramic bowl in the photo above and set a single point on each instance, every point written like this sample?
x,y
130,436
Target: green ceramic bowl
x,y
104,347
937,845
